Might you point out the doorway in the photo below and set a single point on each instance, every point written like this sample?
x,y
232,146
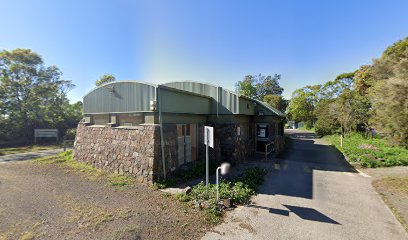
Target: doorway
x,y
262,136
186,143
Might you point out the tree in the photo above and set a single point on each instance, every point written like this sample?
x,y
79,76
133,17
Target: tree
x,y
276,101
363,79
389,93
268,85
259,86
303,103
342,82
326,122
32,95
106,78
247,86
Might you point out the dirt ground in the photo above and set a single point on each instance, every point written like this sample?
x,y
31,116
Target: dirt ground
x,y
46,201
392,185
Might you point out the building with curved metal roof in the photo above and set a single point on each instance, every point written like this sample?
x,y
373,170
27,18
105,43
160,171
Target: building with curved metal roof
x,y
177,112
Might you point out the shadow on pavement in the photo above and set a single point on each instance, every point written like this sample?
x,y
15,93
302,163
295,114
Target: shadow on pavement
x,y
293,172
302,212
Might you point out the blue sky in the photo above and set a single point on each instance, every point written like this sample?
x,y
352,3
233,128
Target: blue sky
x,y
219,42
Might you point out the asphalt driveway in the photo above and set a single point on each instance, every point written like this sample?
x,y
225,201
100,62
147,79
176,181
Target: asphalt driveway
x,y
312,193
29,155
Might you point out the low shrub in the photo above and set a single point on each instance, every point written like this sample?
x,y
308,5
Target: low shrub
x,y
370,152
239,190
70,134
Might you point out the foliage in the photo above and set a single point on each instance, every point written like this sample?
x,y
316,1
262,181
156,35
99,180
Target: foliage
x,y
120,180
363,79
389,94
303,103
370,152
326,123
372,96
277,102
106,78
33,95
247,86
239,190
30,148
163,184
65,159
341,83
70,134
259,86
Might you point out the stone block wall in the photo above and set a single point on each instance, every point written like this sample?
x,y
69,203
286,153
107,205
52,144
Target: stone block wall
x,y
133,151
233,148
136,150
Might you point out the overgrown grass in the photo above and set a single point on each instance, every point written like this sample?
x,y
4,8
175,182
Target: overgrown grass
x,y
309,129
24,149
370,153
162,184
239,190
65,159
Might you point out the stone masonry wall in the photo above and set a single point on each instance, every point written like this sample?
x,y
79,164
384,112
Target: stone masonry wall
x,y
233,148
132,151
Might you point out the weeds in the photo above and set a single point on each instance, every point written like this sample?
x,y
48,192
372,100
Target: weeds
x,y
24,149
120,180
370,153
163,184
239,190
90,172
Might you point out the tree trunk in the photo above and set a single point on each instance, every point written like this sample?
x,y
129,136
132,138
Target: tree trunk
x,y
341,136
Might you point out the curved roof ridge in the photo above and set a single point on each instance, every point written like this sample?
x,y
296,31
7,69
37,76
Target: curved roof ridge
x,y
120,81
209,84
193,81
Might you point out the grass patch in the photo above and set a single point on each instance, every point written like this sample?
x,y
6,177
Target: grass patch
x,y
25,230
27,236
239,190
120,180
24,149
371,153
163,184
304,128
90,216
394,186
65,159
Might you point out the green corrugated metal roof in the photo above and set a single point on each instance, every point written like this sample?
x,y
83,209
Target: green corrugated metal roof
x,y
135,96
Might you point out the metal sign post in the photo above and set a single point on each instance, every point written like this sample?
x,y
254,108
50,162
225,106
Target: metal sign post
x,y
209,142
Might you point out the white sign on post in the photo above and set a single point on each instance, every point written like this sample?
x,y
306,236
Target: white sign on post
x,y
209,142
209,136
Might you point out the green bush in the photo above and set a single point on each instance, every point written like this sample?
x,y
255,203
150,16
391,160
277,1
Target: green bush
x,y
324,127
378,154
239,190
182,197
70,134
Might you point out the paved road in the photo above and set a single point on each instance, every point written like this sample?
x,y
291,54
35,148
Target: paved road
x,y
29,155
312,194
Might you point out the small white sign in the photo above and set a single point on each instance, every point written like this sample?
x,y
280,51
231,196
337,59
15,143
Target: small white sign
x,y
209,136
262,133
